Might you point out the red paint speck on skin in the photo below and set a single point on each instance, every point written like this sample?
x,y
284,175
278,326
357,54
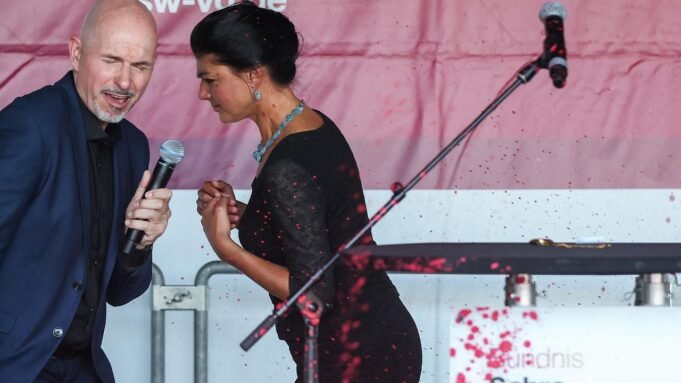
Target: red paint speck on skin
x,y
494,265
488,377
532,314
452,352
475,329
460,378
495,315
520,279
527,344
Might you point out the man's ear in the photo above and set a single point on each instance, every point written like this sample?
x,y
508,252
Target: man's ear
x,y
75,52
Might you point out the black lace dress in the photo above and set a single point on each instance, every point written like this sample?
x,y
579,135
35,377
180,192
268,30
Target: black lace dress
x,y
307,201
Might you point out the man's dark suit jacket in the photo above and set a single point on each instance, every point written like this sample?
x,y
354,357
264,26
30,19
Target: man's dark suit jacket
x,y
45,229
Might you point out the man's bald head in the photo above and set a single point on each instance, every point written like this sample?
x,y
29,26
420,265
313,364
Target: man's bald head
x,y
119,12
113,58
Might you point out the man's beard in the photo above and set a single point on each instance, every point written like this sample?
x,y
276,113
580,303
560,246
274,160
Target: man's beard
x,y
114,117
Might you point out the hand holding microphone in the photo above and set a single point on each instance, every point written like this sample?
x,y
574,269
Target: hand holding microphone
x,y
148,213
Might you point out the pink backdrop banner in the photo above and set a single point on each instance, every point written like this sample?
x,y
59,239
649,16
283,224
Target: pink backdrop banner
x,y
402,78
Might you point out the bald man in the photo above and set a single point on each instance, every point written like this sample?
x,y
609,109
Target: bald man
x,y
73,175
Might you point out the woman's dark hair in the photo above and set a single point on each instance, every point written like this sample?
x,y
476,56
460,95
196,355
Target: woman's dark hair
x,y
245,36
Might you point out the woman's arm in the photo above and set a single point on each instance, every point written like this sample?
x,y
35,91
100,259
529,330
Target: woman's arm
x,y
272,277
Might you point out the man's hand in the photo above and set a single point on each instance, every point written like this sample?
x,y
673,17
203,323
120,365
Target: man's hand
x,y
149,214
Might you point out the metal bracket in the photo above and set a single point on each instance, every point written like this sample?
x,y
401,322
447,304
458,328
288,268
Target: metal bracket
x,y
655,289
676,289
179,298
520,290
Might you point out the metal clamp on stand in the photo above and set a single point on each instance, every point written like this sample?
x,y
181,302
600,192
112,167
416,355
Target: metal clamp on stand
x,y
311,308
654,289
520,290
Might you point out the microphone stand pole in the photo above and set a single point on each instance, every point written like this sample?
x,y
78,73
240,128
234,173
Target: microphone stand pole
x,y
300,297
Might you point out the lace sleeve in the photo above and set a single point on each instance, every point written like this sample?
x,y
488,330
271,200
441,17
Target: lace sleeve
x,y
299,219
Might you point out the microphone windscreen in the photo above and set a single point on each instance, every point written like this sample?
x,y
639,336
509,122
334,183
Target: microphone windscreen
x,y
552,8
172,151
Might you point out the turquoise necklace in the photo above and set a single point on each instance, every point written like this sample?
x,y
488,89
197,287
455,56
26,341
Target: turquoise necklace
x,y
261,149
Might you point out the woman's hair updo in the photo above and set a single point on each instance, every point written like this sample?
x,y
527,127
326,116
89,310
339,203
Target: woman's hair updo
x,y
245,36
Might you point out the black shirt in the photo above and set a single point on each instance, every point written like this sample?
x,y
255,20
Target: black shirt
x,y
306,201
100,155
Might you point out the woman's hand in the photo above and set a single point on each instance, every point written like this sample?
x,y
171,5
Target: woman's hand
x,y
217,226
216,189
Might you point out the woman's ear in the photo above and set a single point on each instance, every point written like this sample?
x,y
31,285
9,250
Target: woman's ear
x,y
255,77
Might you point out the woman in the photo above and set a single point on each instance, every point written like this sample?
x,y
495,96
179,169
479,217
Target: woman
x,y
306,201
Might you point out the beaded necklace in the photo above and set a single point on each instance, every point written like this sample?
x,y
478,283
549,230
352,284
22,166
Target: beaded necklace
x,y
261,149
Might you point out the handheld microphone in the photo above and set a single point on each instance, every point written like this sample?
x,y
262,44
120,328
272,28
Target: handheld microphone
x,y
171,154
554,57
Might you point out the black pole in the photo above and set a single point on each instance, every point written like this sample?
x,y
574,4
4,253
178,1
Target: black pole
x,y
311,307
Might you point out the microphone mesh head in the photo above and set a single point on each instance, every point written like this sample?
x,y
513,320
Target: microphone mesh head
x,y
172,151
552,8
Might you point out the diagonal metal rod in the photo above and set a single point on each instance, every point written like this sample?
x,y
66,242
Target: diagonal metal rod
x,y
524,76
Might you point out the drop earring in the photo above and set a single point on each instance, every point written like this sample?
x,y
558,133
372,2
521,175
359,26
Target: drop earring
x,y
257,95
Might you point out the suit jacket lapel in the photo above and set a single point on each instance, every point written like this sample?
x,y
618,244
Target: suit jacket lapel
x,y
122,187
80,152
